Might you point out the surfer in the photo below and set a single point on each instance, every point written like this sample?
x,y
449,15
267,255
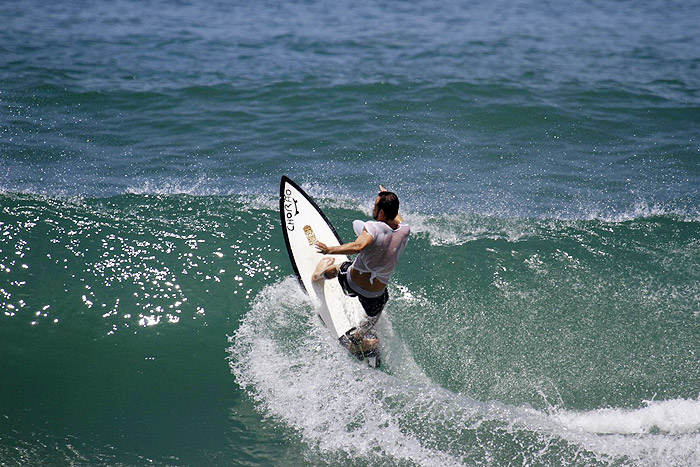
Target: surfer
x,y
379,244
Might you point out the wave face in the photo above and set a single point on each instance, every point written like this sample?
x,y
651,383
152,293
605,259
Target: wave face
x,y
539,341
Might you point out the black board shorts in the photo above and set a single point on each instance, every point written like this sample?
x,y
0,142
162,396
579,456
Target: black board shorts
x,y
372,306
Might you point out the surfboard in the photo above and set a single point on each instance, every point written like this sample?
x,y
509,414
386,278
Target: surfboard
x,y
303,224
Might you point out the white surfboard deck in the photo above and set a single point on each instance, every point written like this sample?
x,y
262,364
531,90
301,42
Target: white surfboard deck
x,y
300,214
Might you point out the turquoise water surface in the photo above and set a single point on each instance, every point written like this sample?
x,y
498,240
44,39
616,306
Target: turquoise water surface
x,y
546,310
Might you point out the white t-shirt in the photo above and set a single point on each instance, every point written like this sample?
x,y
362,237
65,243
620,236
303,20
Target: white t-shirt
x,y
380,258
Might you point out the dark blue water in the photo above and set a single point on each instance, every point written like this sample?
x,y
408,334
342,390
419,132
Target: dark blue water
x,y
546,311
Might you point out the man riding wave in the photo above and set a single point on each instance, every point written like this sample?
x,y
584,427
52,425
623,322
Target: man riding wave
x,y
380,244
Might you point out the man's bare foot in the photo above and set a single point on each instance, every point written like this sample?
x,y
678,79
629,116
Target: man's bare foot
x,y
369,344
319,272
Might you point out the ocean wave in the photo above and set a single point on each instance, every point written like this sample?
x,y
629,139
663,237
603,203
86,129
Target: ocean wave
x,y
284,358
441,228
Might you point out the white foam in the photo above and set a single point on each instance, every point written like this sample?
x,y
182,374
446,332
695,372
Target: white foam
x,y
470,221
662,433
285,359
175,186
259,203
309,382
327,198
460,228
641,210
678,416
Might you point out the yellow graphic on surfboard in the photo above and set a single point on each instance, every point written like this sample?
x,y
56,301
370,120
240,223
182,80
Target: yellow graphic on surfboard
x,y
310,235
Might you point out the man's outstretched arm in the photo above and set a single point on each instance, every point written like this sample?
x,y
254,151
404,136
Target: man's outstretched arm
x,y
360,243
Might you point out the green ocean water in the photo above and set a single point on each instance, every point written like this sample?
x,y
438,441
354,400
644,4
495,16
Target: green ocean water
x,y
546,310
123,315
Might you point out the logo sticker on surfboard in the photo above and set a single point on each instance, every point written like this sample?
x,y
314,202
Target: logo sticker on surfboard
x,y
291,209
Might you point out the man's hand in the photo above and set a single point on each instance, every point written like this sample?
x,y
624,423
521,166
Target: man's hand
x,y
381,188
322,248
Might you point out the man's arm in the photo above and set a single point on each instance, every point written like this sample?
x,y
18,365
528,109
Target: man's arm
x,y
360,243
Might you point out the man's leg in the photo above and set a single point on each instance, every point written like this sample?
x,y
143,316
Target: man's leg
x,y
363,331
325,270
